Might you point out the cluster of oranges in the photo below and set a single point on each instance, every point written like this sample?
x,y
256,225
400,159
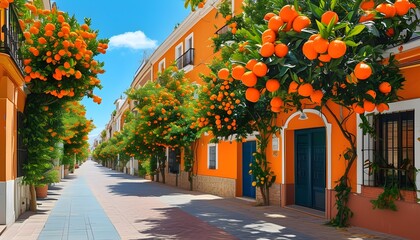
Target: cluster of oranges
x,y
387,10
222,101
322,48
66,50
5,3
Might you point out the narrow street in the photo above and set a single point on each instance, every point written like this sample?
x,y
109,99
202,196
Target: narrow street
x,y
98,203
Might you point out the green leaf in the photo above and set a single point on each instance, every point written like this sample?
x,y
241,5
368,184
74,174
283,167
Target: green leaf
x,y
322,29
317,12
351,43
356,30
333,2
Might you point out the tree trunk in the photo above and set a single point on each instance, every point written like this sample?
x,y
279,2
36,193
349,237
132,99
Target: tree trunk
x,y
33,206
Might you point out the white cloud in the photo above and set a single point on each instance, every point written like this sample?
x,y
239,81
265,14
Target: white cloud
x,y
134,40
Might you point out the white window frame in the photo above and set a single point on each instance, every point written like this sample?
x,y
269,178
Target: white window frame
x,y
161,65
187,42
408,105
216,157
179,46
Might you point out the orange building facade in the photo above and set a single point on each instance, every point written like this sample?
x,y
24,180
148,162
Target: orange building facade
x,y
307,153
12,103
14,196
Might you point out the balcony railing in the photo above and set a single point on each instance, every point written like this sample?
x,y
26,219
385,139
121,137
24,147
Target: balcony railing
x,y
185,59
11,37
222,30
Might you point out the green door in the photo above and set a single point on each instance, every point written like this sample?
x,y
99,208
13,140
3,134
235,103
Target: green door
x,y
310,170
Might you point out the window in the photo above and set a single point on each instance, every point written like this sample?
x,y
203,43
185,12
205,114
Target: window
x,y
178,56
392,151
189,42
174,158
212,156
161,66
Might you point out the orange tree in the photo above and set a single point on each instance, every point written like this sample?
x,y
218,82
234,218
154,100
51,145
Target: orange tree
x,y
322,54
230,105
75,136
165,110
58,55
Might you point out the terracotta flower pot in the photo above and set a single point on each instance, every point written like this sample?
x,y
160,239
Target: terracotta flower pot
x,y
41,191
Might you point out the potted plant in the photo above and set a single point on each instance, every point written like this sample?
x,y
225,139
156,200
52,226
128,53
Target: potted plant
x,y
41,187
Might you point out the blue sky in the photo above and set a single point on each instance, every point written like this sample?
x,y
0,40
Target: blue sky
x,y
133,27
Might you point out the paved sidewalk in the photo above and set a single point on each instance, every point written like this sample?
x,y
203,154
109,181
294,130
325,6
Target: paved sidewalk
x,y
78,215
106,204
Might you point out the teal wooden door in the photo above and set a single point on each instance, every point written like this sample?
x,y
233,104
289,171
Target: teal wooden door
x,y
310,173
248,148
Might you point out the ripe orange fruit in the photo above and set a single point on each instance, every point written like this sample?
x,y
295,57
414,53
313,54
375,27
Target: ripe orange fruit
x,y
316,96
276,102
293,87
328,16
223,74
382,107
249,79
269,15
275,109
272,85
300,23
281,50
368,106
252,94
313,36
388,10
358,109
288,13
368,16
371,93
402,7
237,72
305,90
268,35
228,17
250,64
324,58
320,44
309,51
385,87
337,48
267,49
390,32
367,4
260,69
275,23
362,71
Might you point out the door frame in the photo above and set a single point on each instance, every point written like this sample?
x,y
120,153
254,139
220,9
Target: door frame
x,y
328,133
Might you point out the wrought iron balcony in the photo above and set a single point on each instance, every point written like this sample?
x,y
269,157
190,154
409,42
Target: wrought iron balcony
x,y
223,30
11,37
185,59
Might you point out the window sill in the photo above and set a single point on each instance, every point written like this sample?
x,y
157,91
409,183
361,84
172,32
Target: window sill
x,y
188,68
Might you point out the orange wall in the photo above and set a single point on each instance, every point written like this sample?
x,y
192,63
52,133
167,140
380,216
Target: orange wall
x,y
227,159
8,158
202,31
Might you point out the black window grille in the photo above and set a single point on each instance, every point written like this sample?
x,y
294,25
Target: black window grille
x,y
392,151
22,154
174,160
12,36
185,59
212,157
